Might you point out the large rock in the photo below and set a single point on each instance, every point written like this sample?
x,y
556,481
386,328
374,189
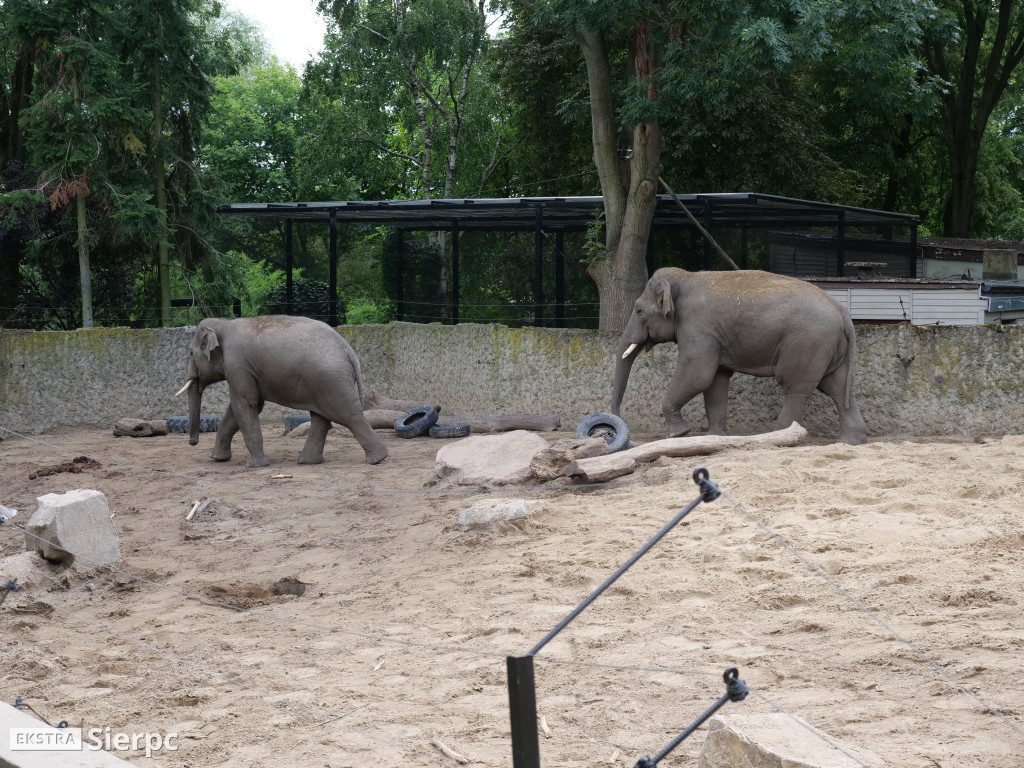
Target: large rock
x,y
491,459
775,740
552,461
74,522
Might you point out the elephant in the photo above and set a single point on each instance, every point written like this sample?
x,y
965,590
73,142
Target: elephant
x,y
297,362
746,321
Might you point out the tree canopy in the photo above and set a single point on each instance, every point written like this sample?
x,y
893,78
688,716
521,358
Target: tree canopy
x,y
119,138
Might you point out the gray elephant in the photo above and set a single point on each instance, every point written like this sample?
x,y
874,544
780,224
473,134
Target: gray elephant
x,y
750,322
294,361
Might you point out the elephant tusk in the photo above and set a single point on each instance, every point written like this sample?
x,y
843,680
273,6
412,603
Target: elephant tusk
x,y
182,390
625,354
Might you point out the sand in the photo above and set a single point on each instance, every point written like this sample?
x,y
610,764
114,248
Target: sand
x,y
873,591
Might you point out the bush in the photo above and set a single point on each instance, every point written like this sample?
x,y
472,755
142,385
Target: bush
x,y
310,298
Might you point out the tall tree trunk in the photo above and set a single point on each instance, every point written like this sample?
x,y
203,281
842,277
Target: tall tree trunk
x,y
621,274
990,53
85,275
160,182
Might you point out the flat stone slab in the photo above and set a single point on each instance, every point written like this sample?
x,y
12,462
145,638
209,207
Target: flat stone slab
x,y
552,461
74,522
489,514
776,740
490,459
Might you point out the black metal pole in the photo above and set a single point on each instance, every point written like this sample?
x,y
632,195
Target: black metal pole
x,y
333,320
913,250
522,700
560,279
289,259
841,247
649,252
455,272
538,267
400,268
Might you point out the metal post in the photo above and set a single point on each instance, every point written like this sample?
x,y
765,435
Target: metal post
x,y
707,228
538,267
455,272
522,700
400,268
289,289
559,279
841,247
333,320
649,252
744,255
913,250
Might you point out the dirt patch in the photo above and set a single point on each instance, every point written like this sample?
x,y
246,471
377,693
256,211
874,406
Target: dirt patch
x,y
374,628
76,466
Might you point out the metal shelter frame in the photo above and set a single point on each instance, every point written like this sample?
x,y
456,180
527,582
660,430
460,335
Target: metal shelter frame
x,y
736,210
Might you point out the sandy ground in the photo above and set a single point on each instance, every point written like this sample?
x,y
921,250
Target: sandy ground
x,y
401,634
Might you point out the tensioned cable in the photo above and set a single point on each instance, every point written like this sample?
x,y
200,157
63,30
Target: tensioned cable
x,y
329,489
871,614
228,678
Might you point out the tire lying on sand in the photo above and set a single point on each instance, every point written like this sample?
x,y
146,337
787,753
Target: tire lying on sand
x,y
416,421
180,423
455,429
607,425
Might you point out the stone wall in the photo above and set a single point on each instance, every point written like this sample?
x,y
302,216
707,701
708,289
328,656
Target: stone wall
x,y
912,380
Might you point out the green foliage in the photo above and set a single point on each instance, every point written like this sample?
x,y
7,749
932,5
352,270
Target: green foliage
x,y
310,298
365,311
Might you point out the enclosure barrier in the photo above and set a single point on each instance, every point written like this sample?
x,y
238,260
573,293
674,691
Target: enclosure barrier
x,y
522,691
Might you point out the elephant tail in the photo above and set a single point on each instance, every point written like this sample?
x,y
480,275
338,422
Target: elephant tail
x,y
851,354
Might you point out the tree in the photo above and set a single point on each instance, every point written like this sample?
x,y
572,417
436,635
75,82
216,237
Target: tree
x,y
975,50
652,67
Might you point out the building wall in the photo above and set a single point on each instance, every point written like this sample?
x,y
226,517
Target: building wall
x,y
912,380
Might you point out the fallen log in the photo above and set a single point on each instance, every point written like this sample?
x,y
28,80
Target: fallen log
x,y
385,419
601,468
375,402
140,428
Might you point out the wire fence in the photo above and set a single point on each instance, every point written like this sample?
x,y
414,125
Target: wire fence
x,y
10,586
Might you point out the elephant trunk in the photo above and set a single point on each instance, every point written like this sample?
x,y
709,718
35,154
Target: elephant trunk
x,y
195,402
624,358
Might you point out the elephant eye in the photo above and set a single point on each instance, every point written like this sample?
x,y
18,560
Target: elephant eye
x,y
639,312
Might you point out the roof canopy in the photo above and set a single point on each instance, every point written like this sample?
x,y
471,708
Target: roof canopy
x,y
728,210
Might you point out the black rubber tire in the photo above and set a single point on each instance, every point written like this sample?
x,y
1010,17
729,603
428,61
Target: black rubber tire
x,y
607,425
180,423
293,420
455,429
416,421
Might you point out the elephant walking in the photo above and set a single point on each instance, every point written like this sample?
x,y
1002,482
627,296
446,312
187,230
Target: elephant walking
x,y
294,361
747,321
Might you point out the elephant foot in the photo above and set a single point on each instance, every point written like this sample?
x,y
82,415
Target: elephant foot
x,y
855,438
677,427
220,455
376,457
311,459
257,461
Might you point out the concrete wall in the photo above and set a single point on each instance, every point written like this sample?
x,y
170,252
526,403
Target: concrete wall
x,y
916,380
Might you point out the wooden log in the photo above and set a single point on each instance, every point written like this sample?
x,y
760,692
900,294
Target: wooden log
x,y
385,419
375,402
601,468
140,428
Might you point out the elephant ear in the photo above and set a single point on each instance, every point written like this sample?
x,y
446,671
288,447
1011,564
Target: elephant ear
x,y
208,341
665,298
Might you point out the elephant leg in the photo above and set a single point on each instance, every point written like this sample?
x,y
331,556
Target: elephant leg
x,y
370,441
226,430
313,450
716,402
691,377
246,405
852,428
792,408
